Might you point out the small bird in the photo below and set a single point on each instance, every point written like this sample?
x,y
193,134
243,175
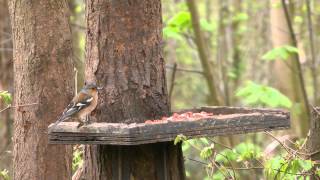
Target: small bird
x,y
81,105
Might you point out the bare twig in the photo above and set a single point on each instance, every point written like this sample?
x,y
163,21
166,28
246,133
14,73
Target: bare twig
x,y
232,168
75,81
173,77
78,174
5,108
215,142
291,151
282,144
299,68
6,49
79,26
313,56
23,105
202,51
197,161
5,41
185,70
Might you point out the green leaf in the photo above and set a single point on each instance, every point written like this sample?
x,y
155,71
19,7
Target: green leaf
x,y
172,32
298,19
273,165
247,151
208,26
281,53
78,9
291,49
178,24
6,97
306,165
241,16
77,160
179,138
182,20
256,94
4,174
206,152
204,141
226,156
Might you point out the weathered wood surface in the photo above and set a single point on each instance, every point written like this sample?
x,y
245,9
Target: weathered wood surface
x,y
226,121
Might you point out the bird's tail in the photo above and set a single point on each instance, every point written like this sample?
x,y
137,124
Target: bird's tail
x,y
61,119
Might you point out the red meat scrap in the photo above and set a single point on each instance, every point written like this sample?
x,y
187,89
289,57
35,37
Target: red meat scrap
x,y
187,116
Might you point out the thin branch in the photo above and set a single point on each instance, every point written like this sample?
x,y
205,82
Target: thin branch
x,y
5,41
197,161
5,33
173,77
202,51
299,68
313,56
282,144
23,105
79,26
6,49
185,70
215,142
9,106
290,150
233,169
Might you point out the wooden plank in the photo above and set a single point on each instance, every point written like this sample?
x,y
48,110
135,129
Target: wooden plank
x,y
226,121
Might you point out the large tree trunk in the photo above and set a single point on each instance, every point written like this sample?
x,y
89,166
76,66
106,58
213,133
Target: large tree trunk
x,y
285,72
42,74
124,54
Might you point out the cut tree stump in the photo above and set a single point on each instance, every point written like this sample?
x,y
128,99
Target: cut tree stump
x,y
225,121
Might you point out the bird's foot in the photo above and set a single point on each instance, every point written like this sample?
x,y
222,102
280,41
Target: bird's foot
x,y
80,124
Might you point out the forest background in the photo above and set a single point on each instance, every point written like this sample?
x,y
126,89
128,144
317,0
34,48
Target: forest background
x,y
218,52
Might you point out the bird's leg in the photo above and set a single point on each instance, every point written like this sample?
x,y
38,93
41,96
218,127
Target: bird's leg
x,y
81,122
87,121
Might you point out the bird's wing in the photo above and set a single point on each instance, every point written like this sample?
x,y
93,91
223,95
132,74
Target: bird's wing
x,y
78,103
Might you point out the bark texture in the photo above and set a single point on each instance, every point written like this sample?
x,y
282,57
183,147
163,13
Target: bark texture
x,y
42,74
124,54
313,143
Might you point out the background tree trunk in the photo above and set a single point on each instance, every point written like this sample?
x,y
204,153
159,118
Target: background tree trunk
x,y
42,74
124,54
285,71
204,58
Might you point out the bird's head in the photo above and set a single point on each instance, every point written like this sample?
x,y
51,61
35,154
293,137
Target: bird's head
x,y
90,88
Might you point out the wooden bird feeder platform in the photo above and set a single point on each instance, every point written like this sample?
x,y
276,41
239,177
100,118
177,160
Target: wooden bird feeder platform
x,y
223,121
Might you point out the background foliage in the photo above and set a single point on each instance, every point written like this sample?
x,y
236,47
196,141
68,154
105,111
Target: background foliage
x,y
252,66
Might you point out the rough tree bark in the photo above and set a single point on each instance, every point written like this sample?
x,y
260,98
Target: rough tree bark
x,y
124,54
313,142
42,74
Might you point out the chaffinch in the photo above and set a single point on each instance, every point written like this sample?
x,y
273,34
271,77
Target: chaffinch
x,y
81,105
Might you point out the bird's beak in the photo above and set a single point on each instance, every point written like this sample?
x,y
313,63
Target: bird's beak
x,y
99,88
